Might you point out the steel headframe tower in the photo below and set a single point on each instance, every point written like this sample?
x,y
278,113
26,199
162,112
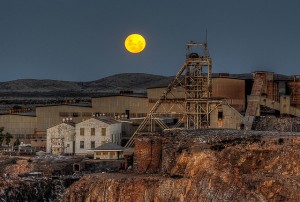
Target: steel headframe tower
x,y
193,110
198,86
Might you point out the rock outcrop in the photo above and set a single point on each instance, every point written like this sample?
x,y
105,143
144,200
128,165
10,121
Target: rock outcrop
x,y
202,165
40,178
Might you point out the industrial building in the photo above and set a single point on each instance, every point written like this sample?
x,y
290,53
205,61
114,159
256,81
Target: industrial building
x,y
31,129
196,98
70,138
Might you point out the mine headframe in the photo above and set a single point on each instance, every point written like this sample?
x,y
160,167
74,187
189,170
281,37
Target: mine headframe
x,y
187,98
198,85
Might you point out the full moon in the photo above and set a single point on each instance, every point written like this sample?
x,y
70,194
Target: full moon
x,y
135,43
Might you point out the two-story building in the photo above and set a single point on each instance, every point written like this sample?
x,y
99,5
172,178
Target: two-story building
x,y
95,132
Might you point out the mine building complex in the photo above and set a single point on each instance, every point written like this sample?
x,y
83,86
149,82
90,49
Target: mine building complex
x,y
196,98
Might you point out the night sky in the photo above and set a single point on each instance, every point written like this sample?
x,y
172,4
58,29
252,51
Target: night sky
x,y
83,40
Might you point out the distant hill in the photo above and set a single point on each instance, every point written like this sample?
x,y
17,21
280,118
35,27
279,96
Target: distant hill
x,y
127,81
137,82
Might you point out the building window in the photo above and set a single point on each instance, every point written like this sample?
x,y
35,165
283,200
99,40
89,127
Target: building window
x,y
103,132
82,131
75,114
92,131
86,114
81,144
104,153
64,114
127,114
220,115
92,144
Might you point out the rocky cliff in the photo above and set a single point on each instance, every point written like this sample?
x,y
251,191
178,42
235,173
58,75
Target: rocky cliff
x,y
40,178
202,165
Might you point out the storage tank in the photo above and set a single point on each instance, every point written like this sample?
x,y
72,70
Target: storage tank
x,y
294,87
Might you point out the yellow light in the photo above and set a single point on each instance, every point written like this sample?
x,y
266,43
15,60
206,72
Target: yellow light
x,y
135,43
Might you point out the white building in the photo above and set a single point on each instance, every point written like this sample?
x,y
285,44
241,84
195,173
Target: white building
x,y
61,138
95,132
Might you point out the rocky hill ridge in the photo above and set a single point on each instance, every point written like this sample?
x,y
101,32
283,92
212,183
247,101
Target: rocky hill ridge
x,y
202,165
137,82
126,81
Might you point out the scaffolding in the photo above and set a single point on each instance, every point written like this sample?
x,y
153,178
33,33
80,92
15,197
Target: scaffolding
x,y
193,109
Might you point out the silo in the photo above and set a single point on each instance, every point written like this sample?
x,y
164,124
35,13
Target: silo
x,y
294,87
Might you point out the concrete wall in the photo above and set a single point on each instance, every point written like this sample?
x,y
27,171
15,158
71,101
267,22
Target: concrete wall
x,y
117,105
16,124
20,127
230,118
154,94
49,116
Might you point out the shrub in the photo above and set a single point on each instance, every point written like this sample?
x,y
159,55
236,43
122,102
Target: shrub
x,y
217,147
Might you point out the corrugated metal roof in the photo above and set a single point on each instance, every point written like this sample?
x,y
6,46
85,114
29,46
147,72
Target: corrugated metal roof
x,y
70,123
28,114
109,147
69,105
106,120
124,95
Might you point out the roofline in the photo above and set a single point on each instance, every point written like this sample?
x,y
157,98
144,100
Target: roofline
x,y
55,105
100,121
145,96
19,115
63,123
105,150
213,77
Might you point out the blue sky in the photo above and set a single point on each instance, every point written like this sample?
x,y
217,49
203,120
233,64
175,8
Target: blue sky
x,y
82,40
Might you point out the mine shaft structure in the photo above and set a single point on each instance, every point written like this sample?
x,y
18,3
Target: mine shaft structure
x,y
190,93
198,86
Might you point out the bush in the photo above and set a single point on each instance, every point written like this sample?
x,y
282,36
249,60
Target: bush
x,y
217,147
280,141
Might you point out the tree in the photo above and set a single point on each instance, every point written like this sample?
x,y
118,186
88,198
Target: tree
x,y
1,135
17,142
8,137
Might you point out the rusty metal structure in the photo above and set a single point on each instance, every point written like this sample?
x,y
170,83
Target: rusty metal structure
x,y
295,91
253,104
265,92
195,79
